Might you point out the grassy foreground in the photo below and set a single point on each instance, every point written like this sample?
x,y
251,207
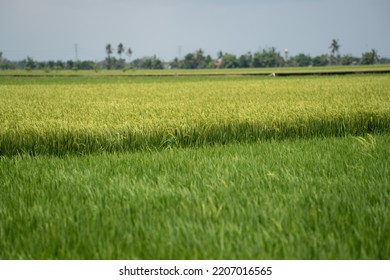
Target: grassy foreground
x,y
325,198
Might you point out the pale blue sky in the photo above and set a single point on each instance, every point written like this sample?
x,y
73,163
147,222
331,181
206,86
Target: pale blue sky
x,y
49,29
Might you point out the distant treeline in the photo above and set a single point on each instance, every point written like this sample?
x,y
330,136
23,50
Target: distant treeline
x,y
199,60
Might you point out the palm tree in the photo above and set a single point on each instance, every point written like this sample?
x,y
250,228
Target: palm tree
x,y
121,49
108,59
129,53
334,48
108,49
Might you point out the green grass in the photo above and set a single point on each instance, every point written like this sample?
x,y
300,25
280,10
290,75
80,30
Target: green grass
x,y
324,198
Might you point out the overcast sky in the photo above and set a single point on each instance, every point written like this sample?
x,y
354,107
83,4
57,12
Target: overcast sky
x,y
50,29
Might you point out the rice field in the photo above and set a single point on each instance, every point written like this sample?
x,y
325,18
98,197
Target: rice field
x,y
378,68
86,116
195,167
324,198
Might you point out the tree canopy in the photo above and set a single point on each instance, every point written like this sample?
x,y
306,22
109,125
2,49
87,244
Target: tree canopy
x,y
269,57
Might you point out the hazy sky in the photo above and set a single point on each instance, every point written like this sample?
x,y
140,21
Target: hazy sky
x,y
49,29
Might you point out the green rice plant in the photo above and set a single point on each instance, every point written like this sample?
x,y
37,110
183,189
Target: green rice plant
x,y
368,142
320,198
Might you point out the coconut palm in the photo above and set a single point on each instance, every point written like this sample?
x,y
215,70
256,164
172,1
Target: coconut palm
x,y
108,49
129,53
334,48
121,49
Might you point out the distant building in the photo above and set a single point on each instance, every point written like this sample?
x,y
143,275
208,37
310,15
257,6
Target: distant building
x,y
167,66
217,63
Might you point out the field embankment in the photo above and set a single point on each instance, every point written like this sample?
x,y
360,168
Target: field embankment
x,y
279,71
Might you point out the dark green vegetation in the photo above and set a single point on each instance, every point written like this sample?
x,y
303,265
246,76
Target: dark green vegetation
x,y
195,167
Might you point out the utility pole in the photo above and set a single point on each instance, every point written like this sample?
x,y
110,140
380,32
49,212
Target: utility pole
x,y
286,55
